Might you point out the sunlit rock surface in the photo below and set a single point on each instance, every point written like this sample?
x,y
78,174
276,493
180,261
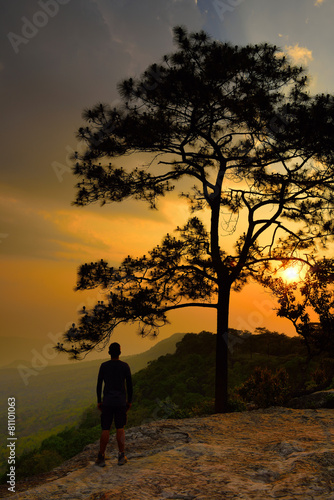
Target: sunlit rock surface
x,y
275,453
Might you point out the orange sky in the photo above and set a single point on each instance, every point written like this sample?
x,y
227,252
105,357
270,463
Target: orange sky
x,y
74,62
51,306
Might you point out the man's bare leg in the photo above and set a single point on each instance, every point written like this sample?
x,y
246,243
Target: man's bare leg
x,y
120,437
104,439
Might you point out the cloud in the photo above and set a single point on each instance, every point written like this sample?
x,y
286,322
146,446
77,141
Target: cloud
x,y
299,55
91,235
29,233
28,230
142,30
73,61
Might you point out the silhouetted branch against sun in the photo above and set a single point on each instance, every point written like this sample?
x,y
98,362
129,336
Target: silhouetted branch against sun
x,y
210,113
311,289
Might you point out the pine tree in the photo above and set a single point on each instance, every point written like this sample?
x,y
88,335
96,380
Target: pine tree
x,y
240,125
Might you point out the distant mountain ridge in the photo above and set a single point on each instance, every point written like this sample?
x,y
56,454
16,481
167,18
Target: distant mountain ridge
x,y
14,349
19,350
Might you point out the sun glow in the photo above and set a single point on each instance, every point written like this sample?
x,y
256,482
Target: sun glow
x,y
292,273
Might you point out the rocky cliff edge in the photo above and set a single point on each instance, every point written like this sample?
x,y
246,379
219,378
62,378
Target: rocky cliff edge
x,y
274,453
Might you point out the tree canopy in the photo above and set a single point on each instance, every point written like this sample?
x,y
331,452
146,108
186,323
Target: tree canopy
x,y
257,149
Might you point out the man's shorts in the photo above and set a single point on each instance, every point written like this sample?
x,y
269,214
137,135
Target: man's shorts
x,y
110,413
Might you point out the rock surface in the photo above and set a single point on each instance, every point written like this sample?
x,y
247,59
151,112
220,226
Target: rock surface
x,y
275,453
320,399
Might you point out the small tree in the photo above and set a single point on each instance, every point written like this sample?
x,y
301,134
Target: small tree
x,y
239,124
313,293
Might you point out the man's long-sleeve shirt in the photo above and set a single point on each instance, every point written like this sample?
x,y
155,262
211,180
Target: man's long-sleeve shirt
x,y
115,374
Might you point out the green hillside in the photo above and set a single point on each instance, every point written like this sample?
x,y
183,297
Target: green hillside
x,y
181,384
57,395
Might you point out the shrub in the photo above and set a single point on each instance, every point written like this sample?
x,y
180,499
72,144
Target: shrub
x,y
37,462
265,388
236,403
206,407
319,376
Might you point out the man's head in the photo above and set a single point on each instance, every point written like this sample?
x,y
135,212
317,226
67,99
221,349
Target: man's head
x,y
114,350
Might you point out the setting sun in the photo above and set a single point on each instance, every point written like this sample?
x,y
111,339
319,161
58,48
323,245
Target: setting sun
x,y
294,272
291,274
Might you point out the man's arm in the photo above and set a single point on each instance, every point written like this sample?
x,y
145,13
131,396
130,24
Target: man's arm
x,y
129,388
99,387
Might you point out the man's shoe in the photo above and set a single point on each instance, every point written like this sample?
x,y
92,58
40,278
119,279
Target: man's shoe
x,y
100,460
122,459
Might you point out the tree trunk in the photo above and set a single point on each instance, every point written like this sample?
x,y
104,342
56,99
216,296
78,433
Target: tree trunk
x,y
223,300
221,392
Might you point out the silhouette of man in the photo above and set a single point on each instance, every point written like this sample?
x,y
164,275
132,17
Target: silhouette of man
x,y
117,399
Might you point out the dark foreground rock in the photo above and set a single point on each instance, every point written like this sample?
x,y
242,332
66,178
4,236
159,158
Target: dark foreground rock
x,y
275,453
